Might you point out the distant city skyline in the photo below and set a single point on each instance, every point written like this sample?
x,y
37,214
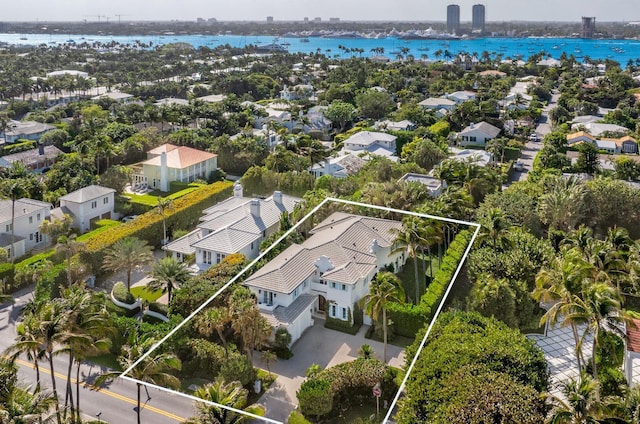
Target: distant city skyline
x,y
290,10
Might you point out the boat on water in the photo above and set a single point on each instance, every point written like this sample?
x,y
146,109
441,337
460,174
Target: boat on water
x,y
271,48
304,40
23,38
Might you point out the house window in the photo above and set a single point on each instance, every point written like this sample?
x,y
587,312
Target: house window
x,y
333,285
344,287
264,233
322,282
472,139
206,257
9,227
333,310
305,283
30,220
31,237
251,245
219,257
295,293
94,204
38,217
344,313
105,200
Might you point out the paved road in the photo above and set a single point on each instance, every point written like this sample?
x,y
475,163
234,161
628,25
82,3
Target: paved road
x,y
531,149
116,402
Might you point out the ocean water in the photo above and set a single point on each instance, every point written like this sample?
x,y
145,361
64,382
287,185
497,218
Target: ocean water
x,y
618,50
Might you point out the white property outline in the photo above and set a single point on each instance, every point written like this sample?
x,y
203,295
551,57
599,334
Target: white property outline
x,y
124,375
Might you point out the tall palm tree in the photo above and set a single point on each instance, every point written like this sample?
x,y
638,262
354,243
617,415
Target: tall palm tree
x,y
386,288
27,407
164,205
409,239
13,189
559,283
70,247
231,395
600,308
127,254
27,343
154,368
168,274
495,231
214,319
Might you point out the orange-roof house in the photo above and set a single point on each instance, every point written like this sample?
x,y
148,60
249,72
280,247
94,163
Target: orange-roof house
x,y
169,163
580,136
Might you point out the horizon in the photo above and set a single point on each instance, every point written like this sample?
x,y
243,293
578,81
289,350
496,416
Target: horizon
x,y
68,11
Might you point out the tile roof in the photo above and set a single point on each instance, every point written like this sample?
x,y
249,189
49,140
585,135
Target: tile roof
x,y
5,239
86,194
185,243
367,138
437,101
181,157
633,336
484,127
580,134
283,316
22,207
345,239
32,155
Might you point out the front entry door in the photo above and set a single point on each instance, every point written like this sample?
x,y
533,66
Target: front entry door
x,y
321,302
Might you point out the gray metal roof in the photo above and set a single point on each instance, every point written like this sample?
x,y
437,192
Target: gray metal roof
x,y
22,207
343,238
86,194
185,243
5,239
31,155
283,316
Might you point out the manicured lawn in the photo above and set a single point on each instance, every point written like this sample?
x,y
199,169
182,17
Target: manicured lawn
x,y
102,226
151,198
143,293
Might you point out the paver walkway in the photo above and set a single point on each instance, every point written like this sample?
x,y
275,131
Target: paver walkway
x,y
321,346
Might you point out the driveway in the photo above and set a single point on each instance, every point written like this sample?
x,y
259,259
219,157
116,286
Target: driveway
x,y
318,345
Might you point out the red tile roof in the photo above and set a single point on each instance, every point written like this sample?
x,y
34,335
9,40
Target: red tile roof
x,y
633,336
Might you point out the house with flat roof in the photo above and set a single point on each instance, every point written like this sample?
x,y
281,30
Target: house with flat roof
x,y
330,271
596,129
438,103
340,166
404,125
213,98
478,134
236,225
25,130
28,216
169,163
170,101
35,160
116,96
86,206
461,96
433,185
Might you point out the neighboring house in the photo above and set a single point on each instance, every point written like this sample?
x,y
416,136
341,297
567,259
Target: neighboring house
x,y
297,92
624,144
330,271
27,130
169,163
596,129
434,186
29,215
549,62
479,157
585,119
478,134
36,160
213,98
274,113
68,72
317,120
515,101
236,225
438,103
271,137
492,73
116,96
86,206
376,143
461,96
170,101
340,167
404,125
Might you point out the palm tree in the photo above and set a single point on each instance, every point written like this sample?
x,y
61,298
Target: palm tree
x,y
495,230
27,343
366,351
164,204
214,319
70,247
579,404
386,288
154,368
168,275
25,407
558,283
224,396
600,308
13,189
127,254
409,239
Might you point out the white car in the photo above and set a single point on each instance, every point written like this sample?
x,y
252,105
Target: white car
x,y
519,166
129,218
533,137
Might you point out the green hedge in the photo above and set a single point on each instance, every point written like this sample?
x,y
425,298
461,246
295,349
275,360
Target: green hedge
x,y
17,147
160,308
408,319
185,213
297,418
121,293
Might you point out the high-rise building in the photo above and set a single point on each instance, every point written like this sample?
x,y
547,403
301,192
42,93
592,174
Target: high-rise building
x,y
588,26
477,17
453,19
269,19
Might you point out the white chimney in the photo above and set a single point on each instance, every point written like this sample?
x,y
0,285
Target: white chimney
x,y
254,208
237,190
277,197
164,173
374,246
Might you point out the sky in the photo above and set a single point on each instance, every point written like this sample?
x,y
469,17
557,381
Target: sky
x,y
413,10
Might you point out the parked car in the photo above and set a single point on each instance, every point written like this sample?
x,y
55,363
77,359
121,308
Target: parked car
x,y
534,137
519,166
129,218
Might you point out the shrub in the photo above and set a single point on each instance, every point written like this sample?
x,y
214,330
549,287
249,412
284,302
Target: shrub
x,y
297,418
407,318
201,358
315,397
160,308
121,293
238,368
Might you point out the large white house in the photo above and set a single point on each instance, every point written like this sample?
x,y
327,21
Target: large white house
x,y
478,134
169,163
340,166
29,215
25,130
86,205
375,143
236,225
330,271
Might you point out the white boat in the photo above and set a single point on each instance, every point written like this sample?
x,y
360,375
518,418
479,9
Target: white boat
x,y
271,48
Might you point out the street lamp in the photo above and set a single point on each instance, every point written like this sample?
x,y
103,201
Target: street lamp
x,y
98,416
